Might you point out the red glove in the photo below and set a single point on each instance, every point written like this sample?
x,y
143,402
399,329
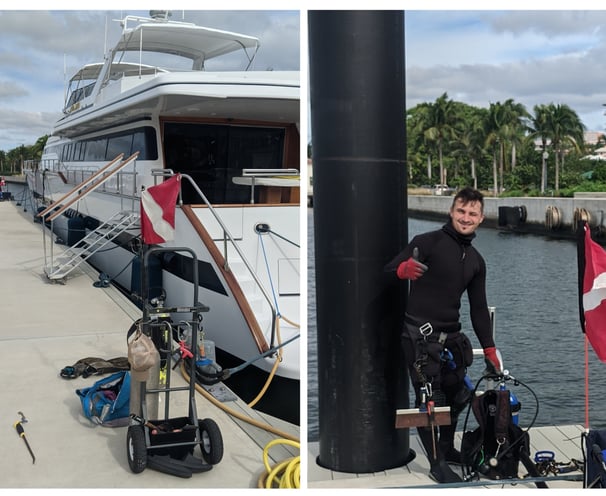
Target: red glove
x,y
493,360
411,269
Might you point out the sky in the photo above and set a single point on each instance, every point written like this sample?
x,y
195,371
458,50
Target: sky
x,y
475,56
534,57
41,50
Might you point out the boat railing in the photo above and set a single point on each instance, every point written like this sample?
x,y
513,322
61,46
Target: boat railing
x,y
117,185
77,96
255,178
156,16
52,165
229,238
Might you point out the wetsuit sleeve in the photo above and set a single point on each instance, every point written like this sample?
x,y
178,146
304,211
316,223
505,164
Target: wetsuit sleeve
x,y
478,308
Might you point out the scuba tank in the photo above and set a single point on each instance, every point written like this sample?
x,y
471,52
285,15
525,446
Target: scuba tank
x,y
515,408
514,404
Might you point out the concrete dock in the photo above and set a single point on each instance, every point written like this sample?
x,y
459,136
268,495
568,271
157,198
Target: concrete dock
x,y
48,326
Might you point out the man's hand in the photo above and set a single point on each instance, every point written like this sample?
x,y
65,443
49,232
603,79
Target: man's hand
x,y
494,362
411,269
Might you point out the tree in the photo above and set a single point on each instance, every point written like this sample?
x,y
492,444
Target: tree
x,y
441,119
495,132
540,129
515,116
419,146
566,129
470,143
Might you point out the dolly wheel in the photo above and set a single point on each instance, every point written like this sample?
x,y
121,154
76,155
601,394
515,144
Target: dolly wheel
x,y
136,449
212,441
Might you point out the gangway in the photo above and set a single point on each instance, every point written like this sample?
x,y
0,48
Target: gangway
x,y
94,241
58,268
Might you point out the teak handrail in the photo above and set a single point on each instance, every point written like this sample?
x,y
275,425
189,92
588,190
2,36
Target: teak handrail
x,y
79,186
93,187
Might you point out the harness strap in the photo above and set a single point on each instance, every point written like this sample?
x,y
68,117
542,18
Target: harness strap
x,y
448,328
502,418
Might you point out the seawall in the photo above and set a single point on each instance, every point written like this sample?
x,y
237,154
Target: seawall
x,y
549,216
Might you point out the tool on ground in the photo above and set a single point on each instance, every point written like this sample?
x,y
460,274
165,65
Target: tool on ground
x,y
21,431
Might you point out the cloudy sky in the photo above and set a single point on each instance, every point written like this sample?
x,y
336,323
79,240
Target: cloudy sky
x,y
534,57
476,56
39,48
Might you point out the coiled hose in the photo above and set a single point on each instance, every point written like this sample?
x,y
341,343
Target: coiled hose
x,y
283,475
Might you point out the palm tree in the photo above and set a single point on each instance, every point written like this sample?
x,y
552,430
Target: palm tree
x,y
515,117
496,131
469,143
441,119
566,129
540,128
417,121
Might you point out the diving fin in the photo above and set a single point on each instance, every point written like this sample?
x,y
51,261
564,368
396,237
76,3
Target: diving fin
x,y
168,465
196,465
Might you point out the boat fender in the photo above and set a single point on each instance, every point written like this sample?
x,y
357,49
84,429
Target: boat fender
x,y
553,217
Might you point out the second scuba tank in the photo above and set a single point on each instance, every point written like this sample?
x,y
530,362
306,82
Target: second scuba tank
x,y
515,408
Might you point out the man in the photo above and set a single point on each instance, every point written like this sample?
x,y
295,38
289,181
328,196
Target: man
x,y
442,265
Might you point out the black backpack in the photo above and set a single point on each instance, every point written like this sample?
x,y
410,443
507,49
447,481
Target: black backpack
x,y
595,467
496,447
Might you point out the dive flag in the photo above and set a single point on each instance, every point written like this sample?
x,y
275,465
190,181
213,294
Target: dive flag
x,y
592,282
158,205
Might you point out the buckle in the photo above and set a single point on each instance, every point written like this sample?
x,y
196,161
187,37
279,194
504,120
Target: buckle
x,y
426,329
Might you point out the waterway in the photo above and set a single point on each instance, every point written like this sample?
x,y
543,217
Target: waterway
x,y
532,283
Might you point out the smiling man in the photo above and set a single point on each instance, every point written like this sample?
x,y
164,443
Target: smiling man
x,y
441,266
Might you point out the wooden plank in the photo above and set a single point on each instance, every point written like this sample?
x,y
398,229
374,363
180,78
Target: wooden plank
x,y
414,417
561,442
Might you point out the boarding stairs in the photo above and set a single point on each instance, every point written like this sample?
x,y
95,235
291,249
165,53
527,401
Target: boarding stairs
x,y
98,238
90,244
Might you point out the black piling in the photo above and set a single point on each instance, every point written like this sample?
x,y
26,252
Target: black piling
x,y
357,93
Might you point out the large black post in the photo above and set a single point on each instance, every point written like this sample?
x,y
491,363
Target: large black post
x,y
357,90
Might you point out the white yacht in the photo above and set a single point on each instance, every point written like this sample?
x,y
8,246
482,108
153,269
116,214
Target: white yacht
x,y
153,109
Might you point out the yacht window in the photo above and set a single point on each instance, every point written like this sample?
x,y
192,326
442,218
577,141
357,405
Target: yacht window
x,y
213,154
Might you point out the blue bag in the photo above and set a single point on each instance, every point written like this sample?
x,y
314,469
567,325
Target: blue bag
x,y
106,402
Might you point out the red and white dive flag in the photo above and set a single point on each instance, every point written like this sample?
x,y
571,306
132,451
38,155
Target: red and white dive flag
x,y
592,280
158,205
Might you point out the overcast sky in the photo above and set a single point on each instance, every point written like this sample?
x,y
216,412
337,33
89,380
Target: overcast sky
x,y
534,57
37,45
478,57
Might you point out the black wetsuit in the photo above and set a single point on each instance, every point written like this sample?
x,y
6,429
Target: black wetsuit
x,y
454,266
441,358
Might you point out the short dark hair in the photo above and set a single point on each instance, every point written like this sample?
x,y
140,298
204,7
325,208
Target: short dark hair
x,y
468,194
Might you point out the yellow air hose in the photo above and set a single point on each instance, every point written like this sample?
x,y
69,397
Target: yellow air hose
x,y
235,413
286,474
274,368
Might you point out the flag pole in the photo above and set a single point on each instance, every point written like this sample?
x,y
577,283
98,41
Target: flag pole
x,y
586,384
